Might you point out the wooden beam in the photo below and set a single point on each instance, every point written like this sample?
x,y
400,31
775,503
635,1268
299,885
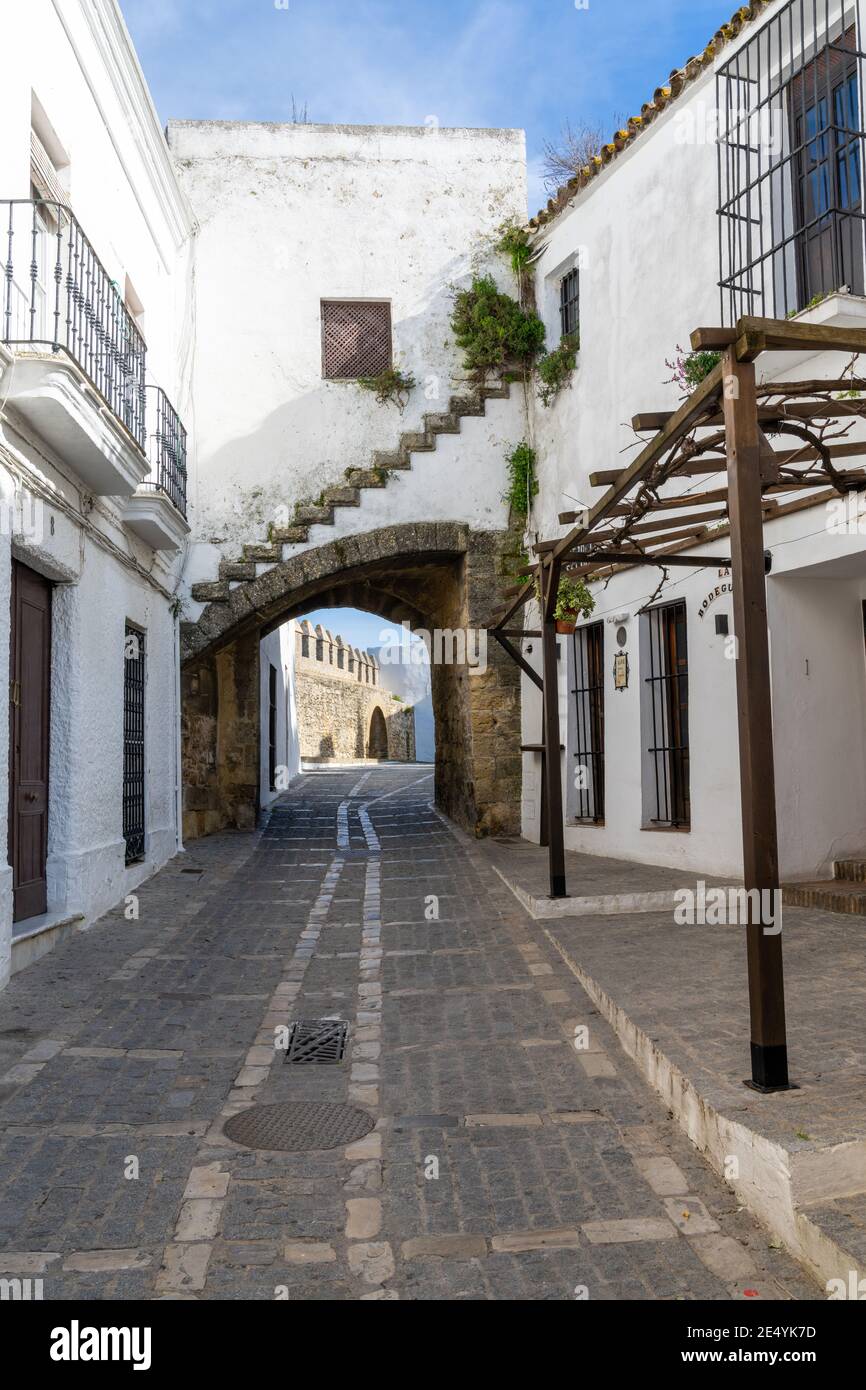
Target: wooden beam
x,y
755,724
792,335
550,695
711,339
518,657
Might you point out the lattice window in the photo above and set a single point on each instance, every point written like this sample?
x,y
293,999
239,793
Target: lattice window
x,y
356,339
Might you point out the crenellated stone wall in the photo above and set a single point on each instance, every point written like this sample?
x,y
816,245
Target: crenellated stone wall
x,y
344,715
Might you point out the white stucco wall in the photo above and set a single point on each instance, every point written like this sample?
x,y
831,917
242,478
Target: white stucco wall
x,y
74,65
294,214
645,235
277,649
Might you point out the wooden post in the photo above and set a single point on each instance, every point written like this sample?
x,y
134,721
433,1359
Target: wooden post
x,y
549,585
755,724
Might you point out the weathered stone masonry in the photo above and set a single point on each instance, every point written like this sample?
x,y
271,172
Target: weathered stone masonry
x,y
343,713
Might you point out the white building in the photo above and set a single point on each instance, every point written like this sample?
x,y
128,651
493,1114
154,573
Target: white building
x,y
642,248
95,240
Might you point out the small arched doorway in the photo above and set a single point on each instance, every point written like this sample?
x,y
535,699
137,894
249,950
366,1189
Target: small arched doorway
x,y
377,744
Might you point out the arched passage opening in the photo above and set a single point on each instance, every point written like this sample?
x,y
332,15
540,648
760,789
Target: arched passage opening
x,y
440,578
377,741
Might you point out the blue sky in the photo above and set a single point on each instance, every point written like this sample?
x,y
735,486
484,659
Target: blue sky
x,y
527,63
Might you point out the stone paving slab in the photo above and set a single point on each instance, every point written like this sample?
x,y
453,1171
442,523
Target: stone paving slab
x,y
496,1158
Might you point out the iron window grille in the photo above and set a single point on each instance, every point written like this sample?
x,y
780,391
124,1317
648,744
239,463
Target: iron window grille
x,y
356,339
166,439
569,304
668,693
133,743
790,160
272,727
589,707
57,296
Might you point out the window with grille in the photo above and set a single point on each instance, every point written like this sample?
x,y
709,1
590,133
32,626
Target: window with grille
x,y
272,727
587,801
569,303
133,743
790,152
356,339
665,717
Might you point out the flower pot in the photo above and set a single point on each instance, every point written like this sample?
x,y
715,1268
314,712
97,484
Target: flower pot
x,y
565,625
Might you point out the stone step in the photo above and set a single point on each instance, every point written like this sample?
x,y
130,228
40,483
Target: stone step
x,y
466,405
366,477
237,569
215,592
494,393
829,894
289,535
263,554
342,496
416,442
440,423
312,514
390,461
851,869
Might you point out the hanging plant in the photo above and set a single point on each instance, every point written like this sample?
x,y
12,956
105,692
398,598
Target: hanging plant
x,y
555,368
522,482
492,329
690,368
391,387
573,600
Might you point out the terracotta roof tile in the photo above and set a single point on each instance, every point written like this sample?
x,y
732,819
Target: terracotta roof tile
x,y
662,97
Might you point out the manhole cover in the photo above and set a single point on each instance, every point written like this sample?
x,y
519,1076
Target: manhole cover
x,y
321,1041
297,1126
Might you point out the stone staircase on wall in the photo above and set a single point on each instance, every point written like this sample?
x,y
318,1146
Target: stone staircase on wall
x,y
844,892
258,557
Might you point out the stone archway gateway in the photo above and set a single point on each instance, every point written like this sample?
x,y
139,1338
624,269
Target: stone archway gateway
x,y
440,577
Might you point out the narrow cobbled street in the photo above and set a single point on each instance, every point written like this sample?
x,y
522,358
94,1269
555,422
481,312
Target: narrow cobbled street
x,y
504,1162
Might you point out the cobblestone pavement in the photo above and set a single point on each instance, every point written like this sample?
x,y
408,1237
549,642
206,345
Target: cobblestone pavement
x,y
504,1162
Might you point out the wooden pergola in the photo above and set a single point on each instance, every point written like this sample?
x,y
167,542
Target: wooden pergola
x,y
733,425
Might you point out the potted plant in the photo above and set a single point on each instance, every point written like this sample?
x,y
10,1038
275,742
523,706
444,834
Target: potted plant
x,y
573,601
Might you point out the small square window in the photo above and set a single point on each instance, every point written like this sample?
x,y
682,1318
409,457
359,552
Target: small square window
x,y
356,339
569,303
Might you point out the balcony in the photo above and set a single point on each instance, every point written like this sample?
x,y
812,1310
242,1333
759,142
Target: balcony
x,y
76,374
157,509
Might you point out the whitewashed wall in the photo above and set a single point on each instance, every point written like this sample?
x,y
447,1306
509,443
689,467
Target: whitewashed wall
x,y
76,58
291,215
645,235
278,650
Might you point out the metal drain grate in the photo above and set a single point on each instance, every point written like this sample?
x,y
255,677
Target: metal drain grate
x,y
298,1126
317,1041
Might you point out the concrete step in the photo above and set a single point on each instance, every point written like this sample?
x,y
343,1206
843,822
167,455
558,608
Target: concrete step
x,y
237,569
851,869
216,592
831,894
466,405
312,514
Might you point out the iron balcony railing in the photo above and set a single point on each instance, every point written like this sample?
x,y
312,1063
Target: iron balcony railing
x,y
57,295
166,448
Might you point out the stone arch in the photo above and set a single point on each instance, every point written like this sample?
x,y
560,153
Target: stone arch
x,y
433,575
377,737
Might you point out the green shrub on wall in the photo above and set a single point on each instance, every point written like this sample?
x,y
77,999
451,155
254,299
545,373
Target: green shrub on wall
x,y
492,329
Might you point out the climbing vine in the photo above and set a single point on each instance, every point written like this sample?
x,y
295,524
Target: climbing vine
x,y
690,368
522,482
555,368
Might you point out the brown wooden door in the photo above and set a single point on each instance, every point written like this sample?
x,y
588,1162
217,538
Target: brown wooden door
x,y
29,694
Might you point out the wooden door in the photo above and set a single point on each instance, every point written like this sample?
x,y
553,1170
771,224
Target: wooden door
x,y
29,702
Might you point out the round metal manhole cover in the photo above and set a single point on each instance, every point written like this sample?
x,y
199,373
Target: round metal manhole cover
x,y
297,1126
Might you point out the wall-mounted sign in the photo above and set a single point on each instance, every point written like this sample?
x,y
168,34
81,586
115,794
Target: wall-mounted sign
x,y
620,671
720,589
